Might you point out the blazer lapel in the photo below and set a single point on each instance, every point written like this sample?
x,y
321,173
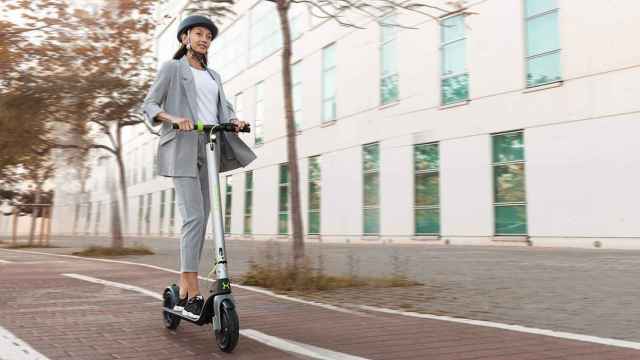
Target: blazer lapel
x,y
189,86
221,116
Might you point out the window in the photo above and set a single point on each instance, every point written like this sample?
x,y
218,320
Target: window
x,y
163,203
143,162
230,49
426,161
388,60
283,202
296,89
238,106
371,194
259,113
172,213
297,18
140,213
543,43
147,218
455,79
265,31
314,195
98,215
228,193
510,207
87,223
329,83
248,201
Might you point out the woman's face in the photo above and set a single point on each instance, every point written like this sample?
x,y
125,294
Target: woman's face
x,y
201,39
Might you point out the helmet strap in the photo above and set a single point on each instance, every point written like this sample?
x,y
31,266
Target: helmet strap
x,y
195,54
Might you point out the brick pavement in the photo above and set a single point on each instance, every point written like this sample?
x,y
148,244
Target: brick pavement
x,y
582,291
66,318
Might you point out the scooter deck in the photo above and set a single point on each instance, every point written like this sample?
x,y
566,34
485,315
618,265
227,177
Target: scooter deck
x,y
205,318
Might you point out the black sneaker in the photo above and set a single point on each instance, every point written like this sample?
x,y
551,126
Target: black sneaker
x,y
180,305
194,307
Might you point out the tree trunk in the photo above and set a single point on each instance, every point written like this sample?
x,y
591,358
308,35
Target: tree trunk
x,y
124,200
292,153
34,214
43,218
14,233
49,217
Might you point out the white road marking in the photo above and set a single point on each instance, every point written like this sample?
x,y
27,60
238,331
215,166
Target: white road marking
x,y
519,328
13,348
115,284
275,342
296,347
6,262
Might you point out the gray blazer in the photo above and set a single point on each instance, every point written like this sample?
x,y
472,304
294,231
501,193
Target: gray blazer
x,y
174,92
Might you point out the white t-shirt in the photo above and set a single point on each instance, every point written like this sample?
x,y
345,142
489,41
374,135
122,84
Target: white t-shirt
x,y
207,93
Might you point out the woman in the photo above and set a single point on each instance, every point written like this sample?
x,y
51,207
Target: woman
x,y
186,91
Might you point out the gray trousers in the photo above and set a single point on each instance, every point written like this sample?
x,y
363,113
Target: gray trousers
x,y
193,203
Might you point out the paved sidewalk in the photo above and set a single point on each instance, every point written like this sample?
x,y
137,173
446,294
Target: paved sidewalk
x,y
590,292
66,318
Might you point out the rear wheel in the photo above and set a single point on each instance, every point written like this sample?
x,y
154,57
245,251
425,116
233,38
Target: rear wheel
x,y
227,336
170,299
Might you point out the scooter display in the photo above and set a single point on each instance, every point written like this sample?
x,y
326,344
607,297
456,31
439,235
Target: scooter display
x,y
219,307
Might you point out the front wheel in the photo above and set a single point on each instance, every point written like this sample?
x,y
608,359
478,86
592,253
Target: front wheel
x,y
227,336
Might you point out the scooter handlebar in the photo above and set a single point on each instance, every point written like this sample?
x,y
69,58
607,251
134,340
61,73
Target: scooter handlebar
x,y
229,127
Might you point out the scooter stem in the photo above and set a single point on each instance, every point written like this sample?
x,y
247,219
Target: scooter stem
x,y
213,155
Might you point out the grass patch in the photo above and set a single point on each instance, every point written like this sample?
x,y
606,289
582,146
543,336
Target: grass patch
x,y
27,246
100,251
305,279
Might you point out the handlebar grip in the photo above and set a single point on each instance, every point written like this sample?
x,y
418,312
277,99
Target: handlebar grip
x,y
229,127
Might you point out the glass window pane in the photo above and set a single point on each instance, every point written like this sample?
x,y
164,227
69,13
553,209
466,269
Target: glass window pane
x,y
314,195
329,56
329,84
284,174
389,59
542,34
283,204
248,202
389,89
511,220
371,221
534,7
314,168
509,183
453,58
455,89
371,189
427,189
508,147
388,32
371,157
427,221
426,157
283,223
329,110
543,69
247,224
248,180
314,222
452,28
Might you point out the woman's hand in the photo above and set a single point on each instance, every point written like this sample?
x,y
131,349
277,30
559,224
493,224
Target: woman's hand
x,y
184,124
239,124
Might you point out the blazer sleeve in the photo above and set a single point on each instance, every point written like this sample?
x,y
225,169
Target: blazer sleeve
x,y
230,110
157,94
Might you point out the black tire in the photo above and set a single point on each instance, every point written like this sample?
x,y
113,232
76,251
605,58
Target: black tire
x,y
227,337
171,321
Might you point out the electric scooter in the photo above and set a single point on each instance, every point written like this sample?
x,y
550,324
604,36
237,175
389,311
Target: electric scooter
x,y
219,307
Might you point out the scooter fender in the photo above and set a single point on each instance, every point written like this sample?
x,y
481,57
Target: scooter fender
x,y
225,300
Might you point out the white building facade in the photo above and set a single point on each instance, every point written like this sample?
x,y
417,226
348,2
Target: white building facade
x,y
515,122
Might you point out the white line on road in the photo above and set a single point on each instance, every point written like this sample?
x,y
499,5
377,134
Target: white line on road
x,y
557,334
115,284
296,347
13,348
519,328
6,262
275,342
